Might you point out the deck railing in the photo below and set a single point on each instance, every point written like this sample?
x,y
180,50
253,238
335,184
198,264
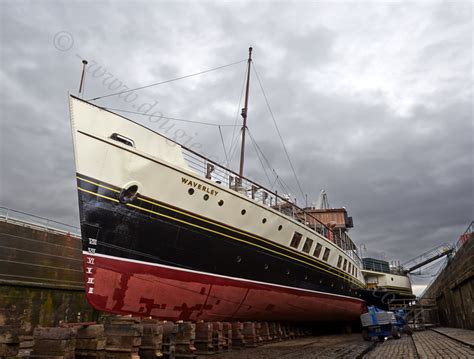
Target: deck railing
x,y
281,203
9,214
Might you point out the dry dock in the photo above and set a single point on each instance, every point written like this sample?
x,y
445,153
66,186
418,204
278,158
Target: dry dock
x,y
41,286
426,344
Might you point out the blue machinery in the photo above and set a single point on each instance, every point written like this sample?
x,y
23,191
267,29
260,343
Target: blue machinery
x,y
382,324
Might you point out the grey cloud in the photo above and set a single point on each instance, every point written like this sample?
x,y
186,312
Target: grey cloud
x,y
406,178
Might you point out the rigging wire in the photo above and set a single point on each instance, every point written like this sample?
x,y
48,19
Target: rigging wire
x,y
223,144
283,185
167,81
437,266
278,131
168,118
258,155
234,137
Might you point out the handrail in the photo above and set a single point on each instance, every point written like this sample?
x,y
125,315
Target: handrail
x,y
236,182
230,179
459,243
42,222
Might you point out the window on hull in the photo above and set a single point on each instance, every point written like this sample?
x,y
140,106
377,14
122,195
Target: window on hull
x,y
296,240
326,254
339,262
317,250
307,245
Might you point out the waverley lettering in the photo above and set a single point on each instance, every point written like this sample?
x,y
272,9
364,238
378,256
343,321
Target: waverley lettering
x,y
199,186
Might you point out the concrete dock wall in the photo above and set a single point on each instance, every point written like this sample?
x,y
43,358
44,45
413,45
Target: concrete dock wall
x,y
453,290
41,277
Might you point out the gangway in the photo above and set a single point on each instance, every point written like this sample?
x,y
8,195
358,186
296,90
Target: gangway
x,y
445,249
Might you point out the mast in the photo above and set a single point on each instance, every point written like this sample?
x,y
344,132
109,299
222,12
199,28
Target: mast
x,y
244,116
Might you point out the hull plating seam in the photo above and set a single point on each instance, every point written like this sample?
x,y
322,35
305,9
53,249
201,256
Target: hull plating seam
x,y
85,253
354,280
333,271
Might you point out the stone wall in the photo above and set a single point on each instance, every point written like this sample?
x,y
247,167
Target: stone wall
x,y
41,277
453,290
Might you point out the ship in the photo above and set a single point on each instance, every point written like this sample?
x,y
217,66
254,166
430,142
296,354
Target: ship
x,y
169,233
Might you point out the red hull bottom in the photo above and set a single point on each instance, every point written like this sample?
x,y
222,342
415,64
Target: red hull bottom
x,y
131,287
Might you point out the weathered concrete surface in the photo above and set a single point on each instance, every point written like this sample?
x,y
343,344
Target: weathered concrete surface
x,y
327,346
41,280
453,290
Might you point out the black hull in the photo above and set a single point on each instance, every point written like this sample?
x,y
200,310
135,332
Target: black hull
x,y
156,233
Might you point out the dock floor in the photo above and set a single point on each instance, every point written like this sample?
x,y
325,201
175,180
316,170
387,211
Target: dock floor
x,y
427,344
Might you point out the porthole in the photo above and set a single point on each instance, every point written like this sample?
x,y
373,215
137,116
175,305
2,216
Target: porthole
x,y
242,212
238,259
220,203
206,197
280,227
332,284
320,281
129,194
288,272
191,191
306,277
264,220
265,266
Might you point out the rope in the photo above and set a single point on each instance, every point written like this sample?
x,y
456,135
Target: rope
x,y
261,162
234,137
168,118
223,144
167,81
278,131
283,185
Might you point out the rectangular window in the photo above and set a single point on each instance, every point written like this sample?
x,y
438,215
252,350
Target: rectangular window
x,y
307,245
353,270
345,264
350,268
339,262
296,240
326,254
317,250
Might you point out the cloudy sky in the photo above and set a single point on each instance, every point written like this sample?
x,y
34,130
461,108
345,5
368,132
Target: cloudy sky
x,y
373,100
